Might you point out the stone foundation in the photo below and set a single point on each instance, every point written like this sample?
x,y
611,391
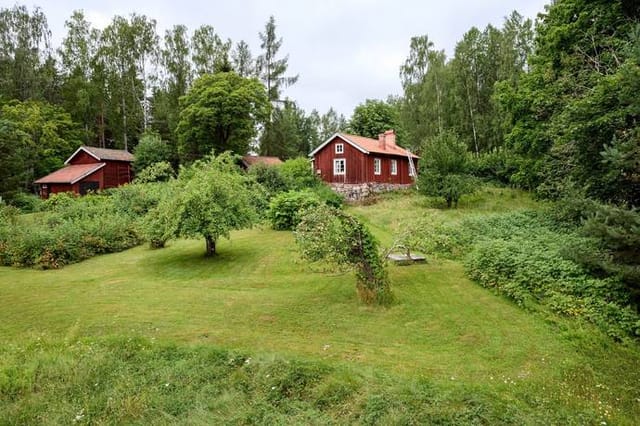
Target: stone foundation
x,y
359,191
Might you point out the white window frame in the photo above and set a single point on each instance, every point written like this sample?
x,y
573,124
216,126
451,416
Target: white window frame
x,y
336,167
339,148
377,166
394,167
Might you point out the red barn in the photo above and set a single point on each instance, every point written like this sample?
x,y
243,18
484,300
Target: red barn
x,y
89,169
351,163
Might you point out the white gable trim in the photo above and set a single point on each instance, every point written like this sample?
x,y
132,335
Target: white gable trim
x,y
90,172
82,148
325,143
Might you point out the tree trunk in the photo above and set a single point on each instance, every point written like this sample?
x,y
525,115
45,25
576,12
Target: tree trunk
x,y
102,139
124,122
438,105
473,123
211,245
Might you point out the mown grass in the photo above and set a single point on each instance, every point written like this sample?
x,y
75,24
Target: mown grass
x,y
448,351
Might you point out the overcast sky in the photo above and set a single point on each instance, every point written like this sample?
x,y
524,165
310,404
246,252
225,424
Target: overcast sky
x,y
345,51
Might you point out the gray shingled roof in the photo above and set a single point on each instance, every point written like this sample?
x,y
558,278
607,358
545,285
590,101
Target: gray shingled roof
x,y
109,154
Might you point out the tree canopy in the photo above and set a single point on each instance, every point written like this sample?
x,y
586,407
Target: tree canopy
x,y
220,113
209,199
374,117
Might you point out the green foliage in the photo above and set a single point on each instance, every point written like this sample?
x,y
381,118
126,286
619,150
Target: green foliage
x,y
134,379
298,174
532,259
460,94
35,139
220,112
444,167
150,150
271,70
290,133
327,233
328,195
374,117
209,199
573,116
286,209
270,177
495,166
27,203
26,66
156,172
73,229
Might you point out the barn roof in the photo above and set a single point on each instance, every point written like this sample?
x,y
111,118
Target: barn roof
x,y
250,160
367,146
102,154
71,174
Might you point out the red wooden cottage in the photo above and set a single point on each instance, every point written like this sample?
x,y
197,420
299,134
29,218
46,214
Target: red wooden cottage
x,y
355,160
89,169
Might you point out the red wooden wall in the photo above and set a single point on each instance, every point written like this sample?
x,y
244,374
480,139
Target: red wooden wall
x,y
116,173
359,166
83,158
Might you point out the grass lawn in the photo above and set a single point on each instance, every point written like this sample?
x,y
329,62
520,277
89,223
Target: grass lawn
x,y
257,297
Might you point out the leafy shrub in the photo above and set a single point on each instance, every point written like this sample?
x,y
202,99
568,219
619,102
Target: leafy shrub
x,y
535,260
59,201
72,229
27,203
156,172
444,169
327,233
531,270
328,196
135,201
270,177
298,174
150,150
285,209
497,166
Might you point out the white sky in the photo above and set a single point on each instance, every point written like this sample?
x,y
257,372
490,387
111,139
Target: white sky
x,y
345,51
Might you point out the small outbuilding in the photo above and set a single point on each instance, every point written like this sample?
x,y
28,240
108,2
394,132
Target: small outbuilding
x,y
89,169
356,165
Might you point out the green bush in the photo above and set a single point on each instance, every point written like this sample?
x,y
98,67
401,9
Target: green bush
x,y
536,261
444,169
298,174
150,150
328,196
270,177
497,166
27,203
73,229
156,172
285,209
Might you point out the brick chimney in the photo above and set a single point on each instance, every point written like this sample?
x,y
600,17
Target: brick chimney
x,y
382,141
390,138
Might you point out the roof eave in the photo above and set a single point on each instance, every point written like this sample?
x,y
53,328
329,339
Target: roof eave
x,y
341,136
88,173
82,148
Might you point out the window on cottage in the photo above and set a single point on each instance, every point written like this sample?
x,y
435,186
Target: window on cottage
x,y
377,166
394,167
339,166
339,148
